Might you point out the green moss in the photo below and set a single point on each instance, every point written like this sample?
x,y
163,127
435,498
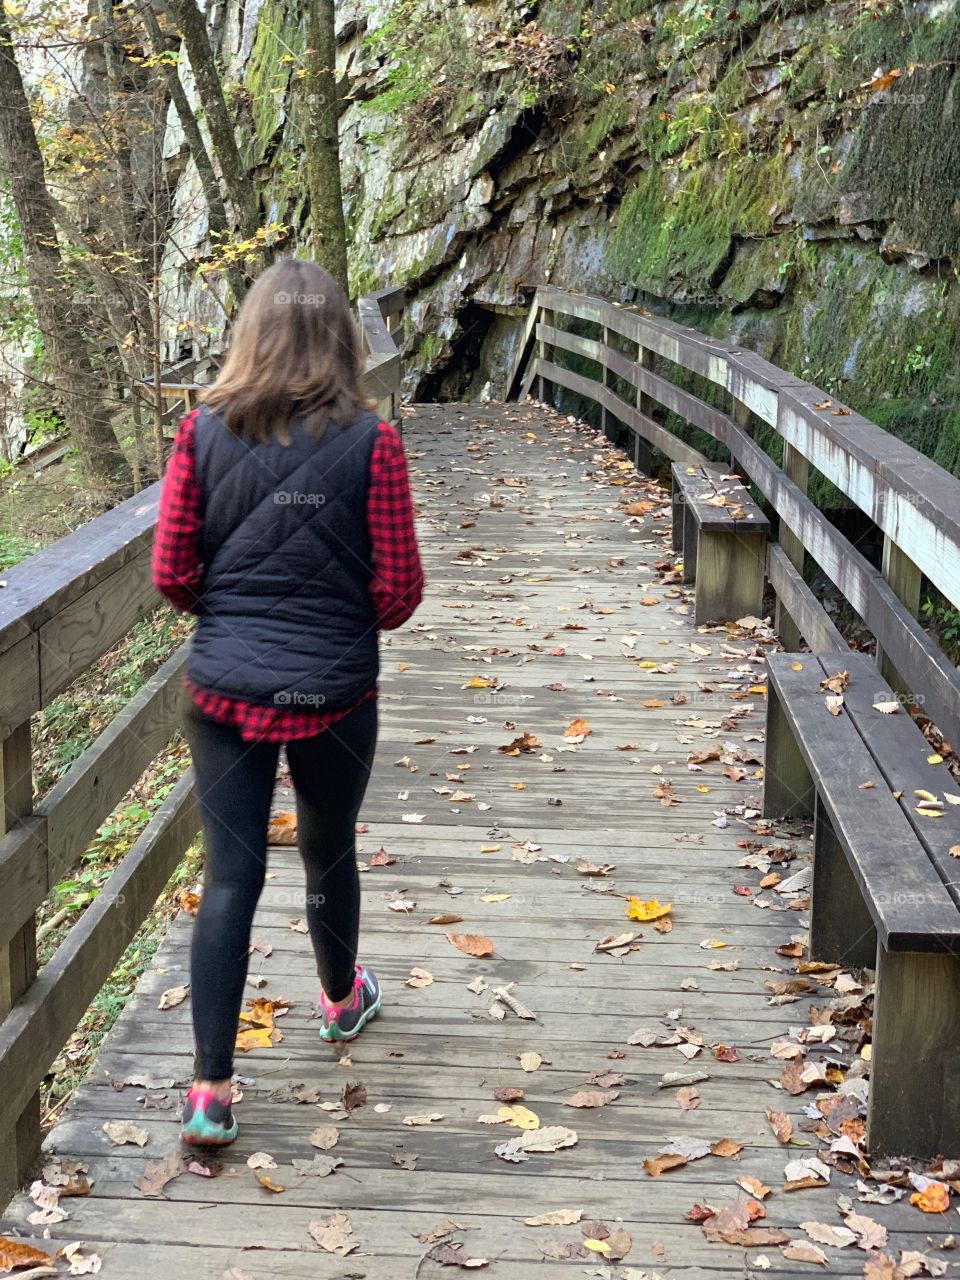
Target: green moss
x,y
430,348
276,53
685,237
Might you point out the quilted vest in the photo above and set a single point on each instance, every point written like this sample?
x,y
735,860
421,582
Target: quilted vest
x,y
285,617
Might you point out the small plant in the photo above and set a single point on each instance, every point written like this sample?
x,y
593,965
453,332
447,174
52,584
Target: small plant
x,y
944,621
916,360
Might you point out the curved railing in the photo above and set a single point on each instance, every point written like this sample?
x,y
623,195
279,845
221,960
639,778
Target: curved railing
x,y
60,611
914,503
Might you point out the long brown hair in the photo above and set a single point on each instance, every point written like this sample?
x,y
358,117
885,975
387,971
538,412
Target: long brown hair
x,y
295,353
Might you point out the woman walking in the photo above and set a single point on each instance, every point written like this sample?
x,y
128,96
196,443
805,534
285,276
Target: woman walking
x,y
286,526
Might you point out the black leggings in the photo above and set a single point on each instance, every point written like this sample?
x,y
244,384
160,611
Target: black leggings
x,y
235,781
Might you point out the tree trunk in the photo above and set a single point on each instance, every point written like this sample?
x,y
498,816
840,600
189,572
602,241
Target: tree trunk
x,y
193,29
321,140
216,210
60,319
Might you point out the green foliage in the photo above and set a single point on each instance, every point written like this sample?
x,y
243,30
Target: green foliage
x,y
13,548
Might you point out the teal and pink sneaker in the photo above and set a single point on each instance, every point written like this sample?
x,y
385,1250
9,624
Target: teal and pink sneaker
x,y
347,1022
207,1120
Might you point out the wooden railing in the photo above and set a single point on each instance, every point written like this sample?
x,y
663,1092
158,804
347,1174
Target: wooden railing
x,y
60,611
914,503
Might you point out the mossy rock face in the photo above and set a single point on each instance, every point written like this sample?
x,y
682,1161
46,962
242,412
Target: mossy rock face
x,y
278,46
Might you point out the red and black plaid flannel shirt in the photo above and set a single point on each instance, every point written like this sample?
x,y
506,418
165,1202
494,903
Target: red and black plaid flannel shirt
x,y
396,587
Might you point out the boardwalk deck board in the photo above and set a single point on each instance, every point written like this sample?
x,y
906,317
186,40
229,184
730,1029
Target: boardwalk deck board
x,y
559,551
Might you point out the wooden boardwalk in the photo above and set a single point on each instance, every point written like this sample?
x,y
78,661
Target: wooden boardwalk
x,y
542,586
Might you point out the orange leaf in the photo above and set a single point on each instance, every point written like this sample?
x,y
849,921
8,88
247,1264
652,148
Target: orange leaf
x,y
282,829
13,1254
643,911
266,1181
471,944
935,1199
576,728
653,702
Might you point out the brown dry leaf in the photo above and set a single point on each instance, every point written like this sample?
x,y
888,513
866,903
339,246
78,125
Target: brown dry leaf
x,y
660,1164
664,793
268,1183
334,1234
587,868
800,1251
173,996
14,1254
121,1132
754,1187
688,1099
353,1096
382,859
299,926
508,1095
471,944
432,1118
781,1124
837,683
726,1147
524,743
446,917
282,829
592,1098
158,1173
557,1218
325,1137
530,1060
419,978
445,1228
449,1255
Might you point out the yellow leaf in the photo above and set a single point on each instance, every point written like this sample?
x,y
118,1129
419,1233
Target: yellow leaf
x,y
760,689
796,666
254,1038
646,666
936,758
651,910
519,1117
703,790
596,1246
494,897
477,682
489,848
518,786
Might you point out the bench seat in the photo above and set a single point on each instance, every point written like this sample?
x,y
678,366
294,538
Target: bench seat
x,y
885,885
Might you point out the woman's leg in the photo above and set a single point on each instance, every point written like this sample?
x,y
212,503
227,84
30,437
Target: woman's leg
x,y
235,786
330,774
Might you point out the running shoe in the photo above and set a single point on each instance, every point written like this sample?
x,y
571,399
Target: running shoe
x,y
348,1021
207,1120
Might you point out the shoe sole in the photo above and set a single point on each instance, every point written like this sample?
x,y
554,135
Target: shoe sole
x,y
332,1034
191,1139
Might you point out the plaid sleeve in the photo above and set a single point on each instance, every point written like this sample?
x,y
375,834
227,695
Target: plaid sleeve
x,y
175,563
397,584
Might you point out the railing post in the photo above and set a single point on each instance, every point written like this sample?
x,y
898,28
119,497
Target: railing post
x,y
544,352
605,417
642,453
904,577
796,468
18,959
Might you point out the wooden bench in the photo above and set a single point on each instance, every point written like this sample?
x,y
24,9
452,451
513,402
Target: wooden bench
x,y
885,886
722,535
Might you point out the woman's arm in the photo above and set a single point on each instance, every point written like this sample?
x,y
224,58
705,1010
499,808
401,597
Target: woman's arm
x,y
176,562
397,583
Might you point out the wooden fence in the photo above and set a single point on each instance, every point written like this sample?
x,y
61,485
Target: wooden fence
x,y
60,611
914,503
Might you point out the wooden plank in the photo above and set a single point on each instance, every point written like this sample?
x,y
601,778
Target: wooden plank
x,y
841,929
19,684
34,1031
906,898
797,469
904,578
812,621
85,629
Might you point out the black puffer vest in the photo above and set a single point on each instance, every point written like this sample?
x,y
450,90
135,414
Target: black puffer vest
x,y
285,617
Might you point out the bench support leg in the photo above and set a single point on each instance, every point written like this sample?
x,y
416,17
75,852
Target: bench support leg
x,y
677,506
729,575
788,790
915,1061
690,546
841,928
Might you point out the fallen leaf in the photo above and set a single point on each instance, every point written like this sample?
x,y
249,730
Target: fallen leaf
x,y
530,1061
14,1254
800,1251
446,917
325,1137
935,1198
261,1160
450,1256
576,731
121,1132
419,978
591,1098
382,859
519,1117
557,1218
471,944
431,1118
726,1147
173,996
335,1234
646,911
661,1164
267,1182
781,1124
282,829
553,1138
157,1174
81,1264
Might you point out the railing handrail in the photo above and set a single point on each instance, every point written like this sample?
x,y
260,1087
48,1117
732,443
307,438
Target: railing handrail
x,y
60,610
913,502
